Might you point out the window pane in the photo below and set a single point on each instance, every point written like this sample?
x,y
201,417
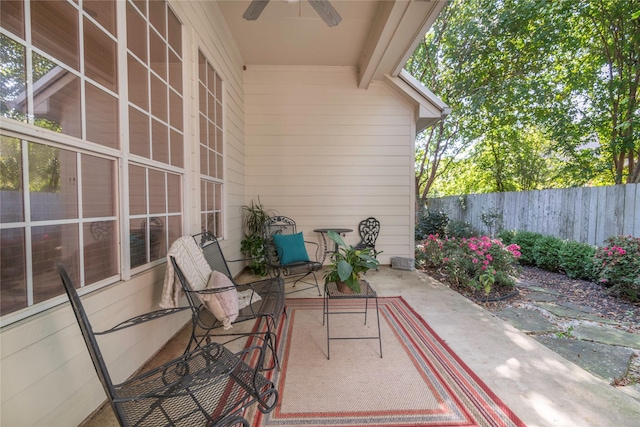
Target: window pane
x,y
177,149
98,187
210,196
54,29
175,32
219,140
100,251
157,15
203,195
136,33
160,142
203,129
138,133
56,98
219,167
138,76
212,164
138,246
174,191
52,244
212,136
157,238
12,16
175,107
102,117
13,280
102,11
157,195
202,68
11,190
158,98
158,54
175,72
13,90
203,99
137,190
204,159
141,5
100,56
175,229
53,185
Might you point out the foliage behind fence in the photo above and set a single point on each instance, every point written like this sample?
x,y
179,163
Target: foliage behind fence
x,y
587,215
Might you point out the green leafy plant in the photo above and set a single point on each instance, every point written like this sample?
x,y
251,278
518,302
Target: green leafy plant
x,y
252,246
576,260
546,252
526,240
431,222
566,334
492,219
617,266
348,263
460,229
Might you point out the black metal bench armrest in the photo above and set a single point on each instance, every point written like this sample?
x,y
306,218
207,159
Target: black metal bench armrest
x,y
142,318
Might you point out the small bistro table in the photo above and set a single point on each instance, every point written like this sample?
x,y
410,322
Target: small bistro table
x,y
323,232
366,292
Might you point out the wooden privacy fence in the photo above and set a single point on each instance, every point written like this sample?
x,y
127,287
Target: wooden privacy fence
x,y
587,215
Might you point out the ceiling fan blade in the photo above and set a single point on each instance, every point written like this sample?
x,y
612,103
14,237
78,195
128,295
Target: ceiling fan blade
x,y
327,12
255,9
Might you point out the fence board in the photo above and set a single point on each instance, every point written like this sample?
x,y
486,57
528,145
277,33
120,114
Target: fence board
x,y
587,214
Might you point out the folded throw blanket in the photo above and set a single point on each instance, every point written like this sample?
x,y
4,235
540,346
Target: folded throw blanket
x,y
194,266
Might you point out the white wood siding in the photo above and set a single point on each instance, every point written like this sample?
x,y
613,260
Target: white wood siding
x,y
47,375
328,154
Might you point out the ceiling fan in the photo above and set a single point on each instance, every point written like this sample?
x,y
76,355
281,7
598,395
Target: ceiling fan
x,y
326,11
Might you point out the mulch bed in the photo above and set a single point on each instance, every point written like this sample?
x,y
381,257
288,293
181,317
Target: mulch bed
x,y
589,295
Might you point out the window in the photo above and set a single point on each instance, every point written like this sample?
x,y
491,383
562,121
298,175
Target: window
x,y
156,130
60,196
211,147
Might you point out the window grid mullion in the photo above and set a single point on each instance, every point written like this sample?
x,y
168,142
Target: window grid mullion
x,y
28,246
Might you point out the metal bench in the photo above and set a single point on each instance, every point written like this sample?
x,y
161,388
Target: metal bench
x,y
207,386
205,325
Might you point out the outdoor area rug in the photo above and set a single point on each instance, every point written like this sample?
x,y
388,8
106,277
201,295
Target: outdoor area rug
x,y
419,381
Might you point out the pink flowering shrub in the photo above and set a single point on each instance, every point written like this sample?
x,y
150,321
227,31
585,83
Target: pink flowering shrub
x,y
478,262
617,266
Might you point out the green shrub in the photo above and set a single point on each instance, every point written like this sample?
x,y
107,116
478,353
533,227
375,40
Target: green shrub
x,y
431,223
526,240
478,262
460,229
576,260
546,252
507,236
617,266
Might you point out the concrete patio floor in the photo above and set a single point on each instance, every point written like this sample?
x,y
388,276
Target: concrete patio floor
x,y
540,386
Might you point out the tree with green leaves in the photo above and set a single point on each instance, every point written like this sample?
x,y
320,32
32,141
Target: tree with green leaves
x,y
544,94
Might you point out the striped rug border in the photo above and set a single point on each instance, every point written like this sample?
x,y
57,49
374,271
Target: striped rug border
x,y
469,401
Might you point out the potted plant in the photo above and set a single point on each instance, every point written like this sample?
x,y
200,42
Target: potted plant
x,y
347,264
253,219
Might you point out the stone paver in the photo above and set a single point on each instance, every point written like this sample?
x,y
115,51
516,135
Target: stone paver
x,y
605,361
606,335
572,313
526,320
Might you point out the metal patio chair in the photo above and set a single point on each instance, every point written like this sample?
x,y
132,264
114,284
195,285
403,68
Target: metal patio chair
x,y
208,386
369,229
298,271
205,325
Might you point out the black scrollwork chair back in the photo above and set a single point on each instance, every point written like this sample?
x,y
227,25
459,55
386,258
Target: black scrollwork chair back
x,y
369,230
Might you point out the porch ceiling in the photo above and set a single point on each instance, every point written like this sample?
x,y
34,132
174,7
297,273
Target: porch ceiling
x,y
376,36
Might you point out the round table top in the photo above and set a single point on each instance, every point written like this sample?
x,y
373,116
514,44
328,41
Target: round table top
x,y
337,230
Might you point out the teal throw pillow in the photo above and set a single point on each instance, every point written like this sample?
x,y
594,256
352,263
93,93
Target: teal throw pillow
x,y
290,248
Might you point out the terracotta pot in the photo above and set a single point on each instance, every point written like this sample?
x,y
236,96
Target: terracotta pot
x,y
343,288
